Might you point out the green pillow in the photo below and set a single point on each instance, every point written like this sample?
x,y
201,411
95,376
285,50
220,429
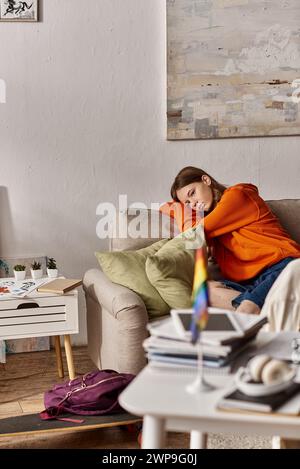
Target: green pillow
x,y
171,269
128,269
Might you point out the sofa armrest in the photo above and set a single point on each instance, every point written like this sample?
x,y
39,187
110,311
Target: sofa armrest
x,y
111,296
117,324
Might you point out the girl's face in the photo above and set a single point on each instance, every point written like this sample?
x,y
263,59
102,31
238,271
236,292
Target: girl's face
x,y
197,195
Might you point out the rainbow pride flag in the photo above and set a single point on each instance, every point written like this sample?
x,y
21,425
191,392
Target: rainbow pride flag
x,y
200,295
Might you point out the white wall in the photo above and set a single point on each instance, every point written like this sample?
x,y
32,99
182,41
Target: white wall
x,y
85,121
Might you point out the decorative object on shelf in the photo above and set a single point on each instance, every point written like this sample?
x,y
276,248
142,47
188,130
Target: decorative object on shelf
x,y
20,271
233,68
36,270
16,11
52,270
7,264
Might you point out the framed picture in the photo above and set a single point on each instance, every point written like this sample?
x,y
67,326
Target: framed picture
x,y
233,68
15,10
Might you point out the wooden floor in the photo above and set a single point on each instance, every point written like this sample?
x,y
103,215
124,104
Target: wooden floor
x,y
24,379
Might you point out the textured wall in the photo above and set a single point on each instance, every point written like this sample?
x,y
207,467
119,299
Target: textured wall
x,y
85,121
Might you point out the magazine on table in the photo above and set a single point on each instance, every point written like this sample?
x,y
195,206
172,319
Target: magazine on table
x,y
11,288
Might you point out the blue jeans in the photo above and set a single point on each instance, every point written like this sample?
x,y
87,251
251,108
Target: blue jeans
x,y
257,288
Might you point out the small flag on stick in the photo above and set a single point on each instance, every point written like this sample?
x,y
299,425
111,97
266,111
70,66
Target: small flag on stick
x,y
199,295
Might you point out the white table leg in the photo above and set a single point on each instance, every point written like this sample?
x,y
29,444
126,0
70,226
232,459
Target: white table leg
x,y
153,434
276,442
198,440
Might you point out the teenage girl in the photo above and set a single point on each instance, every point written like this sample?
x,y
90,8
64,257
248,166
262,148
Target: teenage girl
x,y
247,240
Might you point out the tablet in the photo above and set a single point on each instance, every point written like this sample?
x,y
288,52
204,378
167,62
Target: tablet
x,y
221,323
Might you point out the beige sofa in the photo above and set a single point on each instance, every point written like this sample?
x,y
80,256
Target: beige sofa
x,y
116,316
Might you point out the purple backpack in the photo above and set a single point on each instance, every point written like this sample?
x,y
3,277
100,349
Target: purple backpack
x,y
95,393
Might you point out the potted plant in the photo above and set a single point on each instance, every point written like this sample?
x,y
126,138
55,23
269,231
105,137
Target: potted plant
x,y
36,270
52,270
19,271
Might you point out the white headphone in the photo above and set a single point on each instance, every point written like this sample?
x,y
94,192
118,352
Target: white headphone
x,y
265,369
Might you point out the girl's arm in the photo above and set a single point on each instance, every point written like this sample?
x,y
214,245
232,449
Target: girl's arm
x,y
235,210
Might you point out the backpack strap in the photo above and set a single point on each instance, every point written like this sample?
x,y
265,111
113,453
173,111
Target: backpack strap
x,y
52,413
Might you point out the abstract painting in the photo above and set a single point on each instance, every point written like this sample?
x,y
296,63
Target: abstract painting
x,y
233,68
14,10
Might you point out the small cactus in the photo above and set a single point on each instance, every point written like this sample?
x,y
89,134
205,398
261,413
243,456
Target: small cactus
x,y
51,264
36,266
19,268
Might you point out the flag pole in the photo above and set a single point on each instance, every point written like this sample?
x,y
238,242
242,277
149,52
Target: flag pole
x,y
200,319
199,384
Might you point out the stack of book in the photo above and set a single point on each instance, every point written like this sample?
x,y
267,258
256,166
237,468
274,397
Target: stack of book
x,y
165,347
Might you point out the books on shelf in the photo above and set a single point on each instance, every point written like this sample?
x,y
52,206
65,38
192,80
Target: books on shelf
x,y
236,400
60,286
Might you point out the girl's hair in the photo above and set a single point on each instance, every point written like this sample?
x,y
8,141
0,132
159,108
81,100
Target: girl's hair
x,y
190,174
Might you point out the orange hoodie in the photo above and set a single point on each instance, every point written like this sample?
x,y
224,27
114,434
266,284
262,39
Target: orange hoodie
x,y
245,234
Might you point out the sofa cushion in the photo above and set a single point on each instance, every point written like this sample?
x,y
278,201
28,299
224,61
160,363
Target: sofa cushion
x,y
127,268
171,268
288,213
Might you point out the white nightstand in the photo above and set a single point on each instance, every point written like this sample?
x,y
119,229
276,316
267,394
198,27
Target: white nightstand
x,y
39,315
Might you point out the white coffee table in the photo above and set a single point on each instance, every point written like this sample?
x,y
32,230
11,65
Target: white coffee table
x,y
40,315
160,396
